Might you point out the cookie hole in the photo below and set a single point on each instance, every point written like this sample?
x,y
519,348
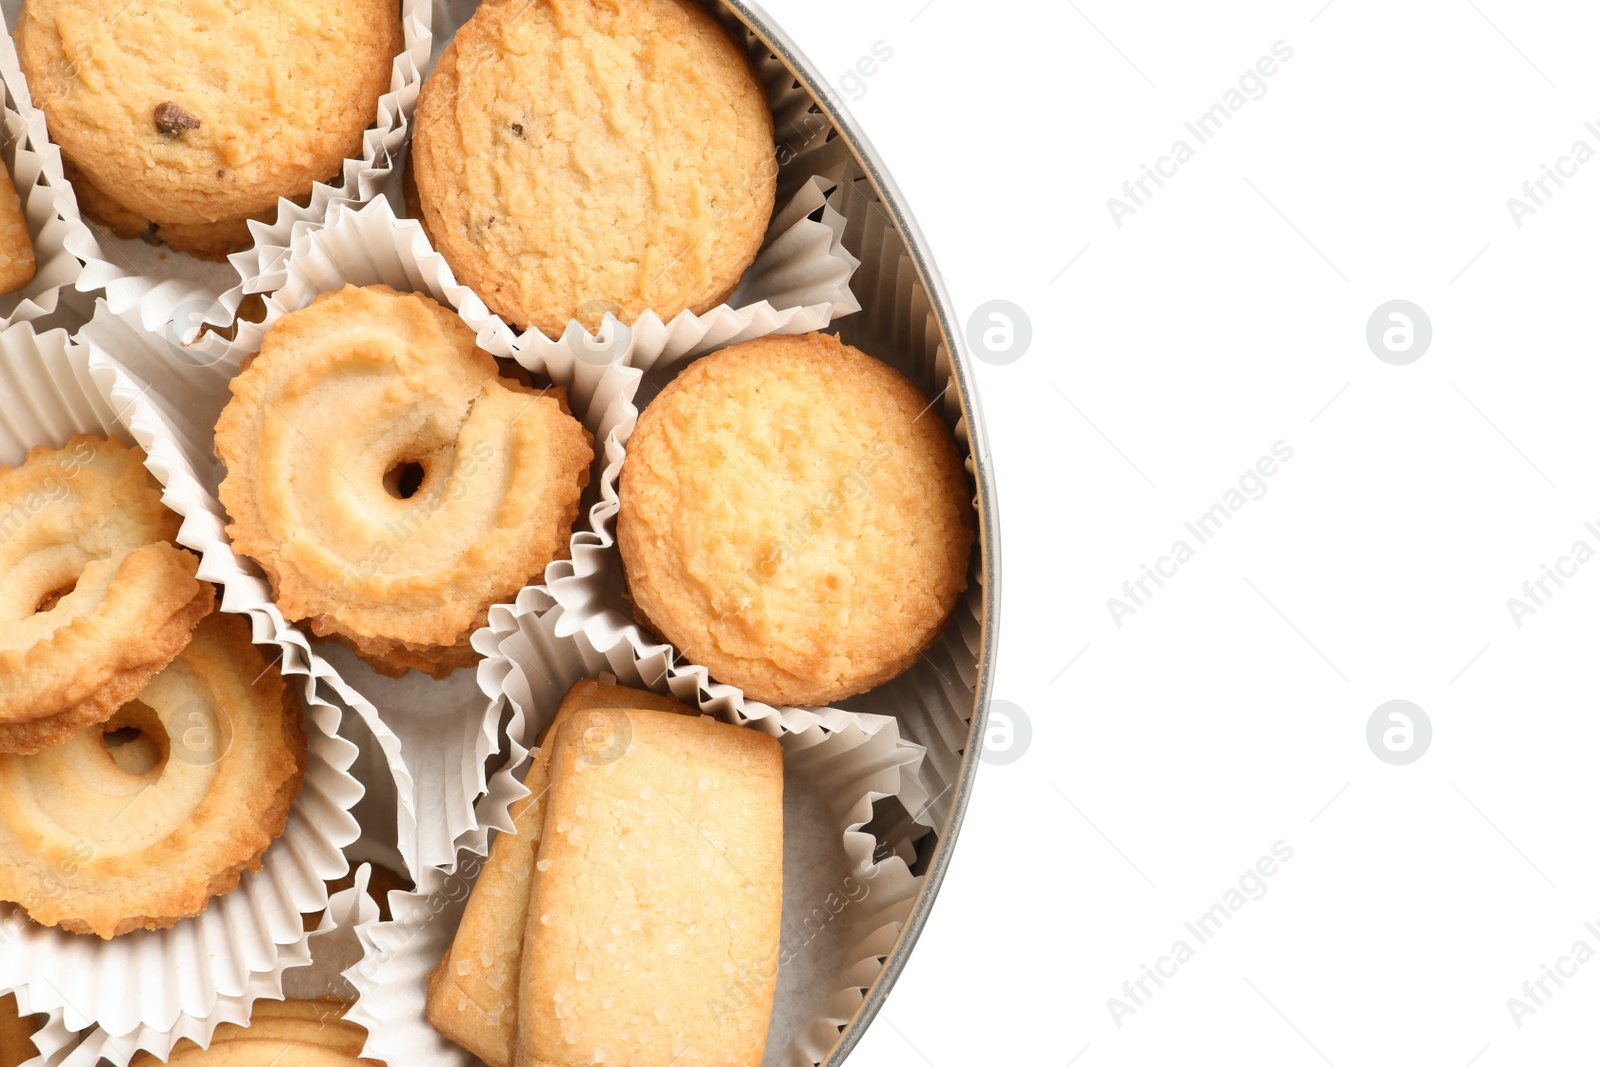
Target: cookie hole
x,y
49,601
135,740
404,479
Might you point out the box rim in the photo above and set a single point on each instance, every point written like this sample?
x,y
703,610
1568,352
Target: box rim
x,y
764,26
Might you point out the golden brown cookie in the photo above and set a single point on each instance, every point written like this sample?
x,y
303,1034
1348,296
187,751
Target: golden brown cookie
x,y
795,517
189,113
390,481
17,260
139,822
472,994
642,146
94,597
203,240
652,933
281,1033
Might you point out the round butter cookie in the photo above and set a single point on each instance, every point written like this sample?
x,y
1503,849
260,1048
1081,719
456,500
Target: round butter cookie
x,y
203,240
794,517
280,1033
139,822
186,117
94,597
390,481
575,157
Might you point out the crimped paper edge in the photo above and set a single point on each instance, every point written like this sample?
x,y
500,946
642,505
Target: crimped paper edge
x,y
159,301
48,202
328,782
395,961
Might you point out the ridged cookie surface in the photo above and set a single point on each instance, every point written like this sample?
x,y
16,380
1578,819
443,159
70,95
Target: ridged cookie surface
x,y
389,480
94,599
139,822
281,1033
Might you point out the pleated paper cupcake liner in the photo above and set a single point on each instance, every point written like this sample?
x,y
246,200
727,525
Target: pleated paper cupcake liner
x,y
170,405
47,204
933,700
438,733
50,389
171,287
846,893
316,971
800,281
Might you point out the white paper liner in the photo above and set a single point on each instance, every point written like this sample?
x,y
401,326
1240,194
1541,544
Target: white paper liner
x,y
165,285
933,700
846,893
51,389
439,734
327,951
171,405
799,282
436,736
47,204
314,969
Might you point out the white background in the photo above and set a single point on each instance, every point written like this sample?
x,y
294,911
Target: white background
x,y
1230,712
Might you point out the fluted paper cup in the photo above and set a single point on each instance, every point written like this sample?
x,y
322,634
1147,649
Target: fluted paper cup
x,y
853,805
172,287
51,389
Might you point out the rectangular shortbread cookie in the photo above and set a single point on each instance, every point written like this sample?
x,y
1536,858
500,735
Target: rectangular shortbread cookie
x,y
653,922
472,993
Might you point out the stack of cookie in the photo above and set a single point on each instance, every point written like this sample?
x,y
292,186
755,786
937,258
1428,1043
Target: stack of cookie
x,y
643,884
280,1033
148,752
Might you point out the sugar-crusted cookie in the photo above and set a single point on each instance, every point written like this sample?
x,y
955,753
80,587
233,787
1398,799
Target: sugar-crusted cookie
x,y
187,113
575,157
795,516
472,994
652,933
